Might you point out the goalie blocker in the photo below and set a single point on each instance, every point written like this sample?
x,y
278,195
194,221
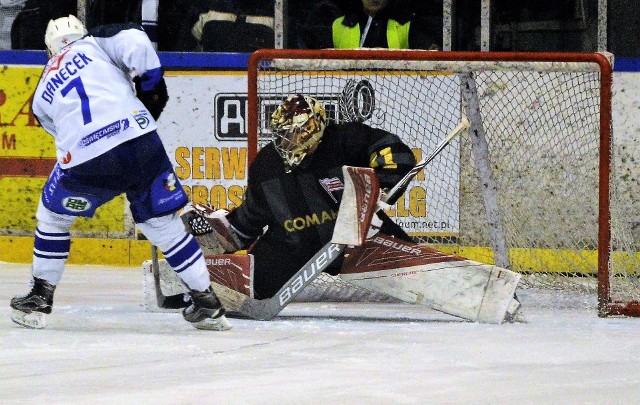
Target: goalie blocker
x,y
410,272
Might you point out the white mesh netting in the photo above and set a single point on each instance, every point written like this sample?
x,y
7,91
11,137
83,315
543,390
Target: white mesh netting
x,y
541,125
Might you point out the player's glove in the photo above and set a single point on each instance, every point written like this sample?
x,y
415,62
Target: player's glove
x,y
154,99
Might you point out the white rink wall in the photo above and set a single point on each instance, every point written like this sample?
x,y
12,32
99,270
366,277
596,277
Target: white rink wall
x,y
626,108
626,132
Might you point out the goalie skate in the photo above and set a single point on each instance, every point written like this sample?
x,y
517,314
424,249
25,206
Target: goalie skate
x,y
30,310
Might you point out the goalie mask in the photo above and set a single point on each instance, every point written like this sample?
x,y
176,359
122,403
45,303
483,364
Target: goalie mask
x,y
297,126
62,32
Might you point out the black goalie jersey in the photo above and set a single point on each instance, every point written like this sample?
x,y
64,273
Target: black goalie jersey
x,y
297,210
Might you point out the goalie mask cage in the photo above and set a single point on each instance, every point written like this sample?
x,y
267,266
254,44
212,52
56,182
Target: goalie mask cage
x,y
530,186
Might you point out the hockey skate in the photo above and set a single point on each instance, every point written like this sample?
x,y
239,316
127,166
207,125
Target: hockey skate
x,y
206,311
29,310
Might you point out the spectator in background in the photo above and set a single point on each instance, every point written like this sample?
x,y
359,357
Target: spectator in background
x,y
315,32
29,26
369,24
9,10
217,25
104,12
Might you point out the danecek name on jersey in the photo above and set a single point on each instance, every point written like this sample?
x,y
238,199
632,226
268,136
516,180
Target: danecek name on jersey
x,y
87,103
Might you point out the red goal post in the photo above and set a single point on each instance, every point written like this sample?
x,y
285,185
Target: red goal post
x,y
529,188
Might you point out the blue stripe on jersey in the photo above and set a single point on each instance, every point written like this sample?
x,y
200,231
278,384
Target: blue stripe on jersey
x,y
150,78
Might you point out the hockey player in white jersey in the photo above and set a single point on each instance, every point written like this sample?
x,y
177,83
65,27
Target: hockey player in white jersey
x,y
106,143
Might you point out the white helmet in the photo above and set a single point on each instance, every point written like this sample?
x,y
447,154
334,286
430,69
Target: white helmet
x,y
297,126
62,32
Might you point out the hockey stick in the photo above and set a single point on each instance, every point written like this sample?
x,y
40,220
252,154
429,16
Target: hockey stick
x,y
396,191
164,301
268,308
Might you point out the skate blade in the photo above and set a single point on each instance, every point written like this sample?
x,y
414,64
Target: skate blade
x,y
219,324
34,320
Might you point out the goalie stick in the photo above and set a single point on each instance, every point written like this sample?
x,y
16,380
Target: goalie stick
x,y
268,308
164,301
396,191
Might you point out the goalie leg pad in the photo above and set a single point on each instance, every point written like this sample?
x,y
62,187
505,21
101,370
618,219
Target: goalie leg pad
x,y
513,312
231,276
498,296
232,271
418,274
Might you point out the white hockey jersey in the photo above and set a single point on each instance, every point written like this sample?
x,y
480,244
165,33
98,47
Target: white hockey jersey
x,y
85,96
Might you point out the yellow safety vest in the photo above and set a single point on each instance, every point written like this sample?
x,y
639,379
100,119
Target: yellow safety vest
x,y
349,37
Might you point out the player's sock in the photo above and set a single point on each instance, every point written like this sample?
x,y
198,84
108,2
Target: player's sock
x,y
29,310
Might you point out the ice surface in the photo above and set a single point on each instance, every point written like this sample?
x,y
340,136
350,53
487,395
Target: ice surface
x,y
102,347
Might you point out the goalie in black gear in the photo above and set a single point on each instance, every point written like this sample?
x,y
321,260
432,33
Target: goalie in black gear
x,y
295,185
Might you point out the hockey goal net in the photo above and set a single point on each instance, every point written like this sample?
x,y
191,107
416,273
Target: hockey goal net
x,y
531,186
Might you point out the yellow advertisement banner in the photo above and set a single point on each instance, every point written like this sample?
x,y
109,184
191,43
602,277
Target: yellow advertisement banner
x,y
27,155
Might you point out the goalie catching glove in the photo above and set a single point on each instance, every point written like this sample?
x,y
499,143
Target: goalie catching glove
x,y
211,229
154,99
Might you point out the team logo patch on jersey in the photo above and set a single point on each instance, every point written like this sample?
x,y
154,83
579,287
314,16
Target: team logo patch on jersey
x,y
76,204
330,185
142,118
169,183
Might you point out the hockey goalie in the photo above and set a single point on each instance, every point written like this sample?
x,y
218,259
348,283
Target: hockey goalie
x,y
313,204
